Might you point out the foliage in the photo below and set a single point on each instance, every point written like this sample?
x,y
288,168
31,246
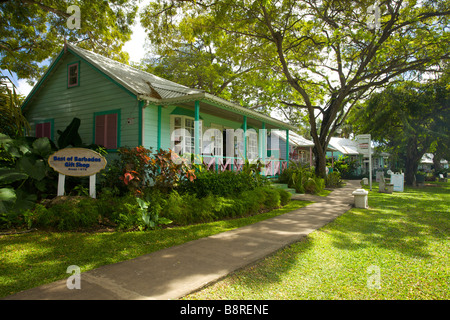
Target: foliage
x,y
333,180
133,165
302,178
185,209
167,170
139,169
323,50
407,119
75,214
150,210
12,121
26,176
226,183
345,166
34,31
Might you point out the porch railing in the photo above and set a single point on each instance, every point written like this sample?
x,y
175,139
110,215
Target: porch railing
x,y
270,168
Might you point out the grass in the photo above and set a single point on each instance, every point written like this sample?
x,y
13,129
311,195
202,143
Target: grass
x,y
402,240
32,259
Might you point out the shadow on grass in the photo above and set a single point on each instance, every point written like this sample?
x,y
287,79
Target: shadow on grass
x,y
33,259
405,222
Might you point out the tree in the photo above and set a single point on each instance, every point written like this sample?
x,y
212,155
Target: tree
x,y
12,121
325,51
34,30
190,53
408,118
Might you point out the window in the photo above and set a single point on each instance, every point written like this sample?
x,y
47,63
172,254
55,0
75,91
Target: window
x,y
73,75
252,144
106,126
44,129
213,144
183,134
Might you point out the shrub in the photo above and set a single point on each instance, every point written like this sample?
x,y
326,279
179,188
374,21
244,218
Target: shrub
x,y
333,180
77,213
285,196
301,178
185,209
227,183
137,169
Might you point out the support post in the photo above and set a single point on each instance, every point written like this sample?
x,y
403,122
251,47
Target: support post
x,y
158,142
287,148
61,182
197,130
245,137
92,186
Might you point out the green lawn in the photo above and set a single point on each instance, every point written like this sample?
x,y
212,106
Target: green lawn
x,y
32,259
402,240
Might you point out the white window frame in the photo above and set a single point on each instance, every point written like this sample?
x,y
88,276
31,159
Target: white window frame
x,y
187,138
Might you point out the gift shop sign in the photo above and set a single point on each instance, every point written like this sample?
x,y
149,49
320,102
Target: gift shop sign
x,y
77,162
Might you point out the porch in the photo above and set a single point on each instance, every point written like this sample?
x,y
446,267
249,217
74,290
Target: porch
x,y
222,134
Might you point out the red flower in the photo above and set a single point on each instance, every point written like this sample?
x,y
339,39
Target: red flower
x,y
127,178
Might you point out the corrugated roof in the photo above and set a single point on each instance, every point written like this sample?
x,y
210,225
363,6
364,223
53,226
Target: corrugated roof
x,y
296,139
344,146
137,81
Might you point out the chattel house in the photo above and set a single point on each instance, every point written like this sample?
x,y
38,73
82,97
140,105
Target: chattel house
x,y
120,106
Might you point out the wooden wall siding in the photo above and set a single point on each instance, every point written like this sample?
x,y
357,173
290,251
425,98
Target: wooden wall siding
x,y
96,93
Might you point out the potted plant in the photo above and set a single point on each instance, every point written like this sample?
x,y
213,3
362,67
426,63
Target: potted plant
x,y
420,177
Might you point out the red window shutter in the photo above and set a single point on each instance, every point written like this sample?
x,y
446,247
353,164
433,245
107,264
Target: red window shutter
x,y
47,129
106,130
100,127
43,130
111,133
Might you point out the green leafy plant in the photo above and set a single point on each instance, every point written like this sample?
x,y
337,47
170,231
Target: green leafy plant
x,y
150,214
26,176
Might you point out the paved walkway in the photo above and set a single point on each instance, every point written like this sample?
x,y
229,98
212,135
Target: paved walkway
x,y
177,271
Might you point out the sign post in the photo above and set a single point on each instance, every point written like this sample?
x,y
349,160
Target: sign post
x,y
77,162
364,147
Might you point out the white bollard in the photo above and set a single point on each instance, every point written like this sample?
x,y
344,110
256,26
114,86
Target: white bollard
x,y
361,198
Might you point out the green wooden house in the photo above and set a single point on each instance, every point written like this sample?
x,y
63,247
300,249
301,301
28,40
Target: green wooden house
x,y
122,106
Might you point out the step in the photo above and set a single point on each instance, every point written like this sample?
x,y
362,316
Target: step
x,y
279,185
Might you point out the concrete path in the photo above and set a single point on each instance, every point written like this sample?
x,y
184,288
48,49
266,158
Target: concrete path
x,y
177,271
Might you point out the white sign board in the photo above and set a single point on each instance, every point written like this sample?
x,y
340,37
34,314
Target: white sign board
x,y
397,179
77,162
364,147
363,144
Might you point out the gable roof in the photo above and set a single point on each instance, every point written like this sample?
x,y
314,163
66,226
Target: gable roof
x,y
146,86
295,139
344,146
136,81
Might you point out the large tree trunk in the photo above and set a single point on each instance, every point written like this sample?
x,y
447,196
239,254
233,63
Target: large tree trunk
x,y
411,161
320,161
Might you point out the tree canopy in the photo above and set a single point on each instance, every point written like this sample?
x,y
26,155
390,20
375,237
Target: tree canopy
x,y
324,54
34,30
408,119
